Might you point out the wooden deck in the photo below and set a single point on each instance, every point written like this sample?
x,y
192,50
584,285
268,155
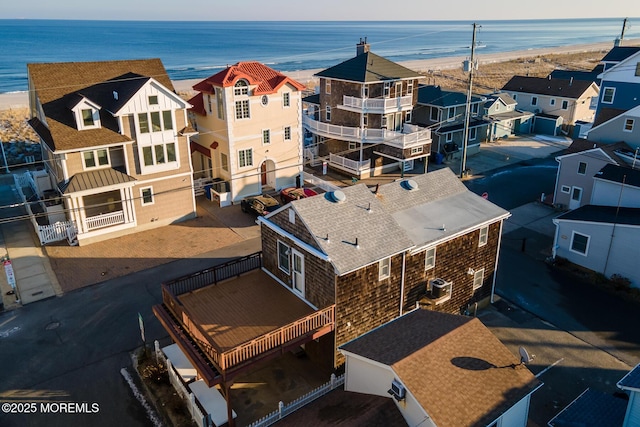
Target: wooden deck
x,y
238,310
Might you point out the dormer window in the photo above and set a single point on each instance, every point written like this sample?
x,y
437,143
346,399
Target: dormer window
x,y
86,114
87,118
241,88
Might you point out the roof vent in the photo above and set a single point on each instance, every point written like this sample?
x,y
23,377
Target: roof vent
x,y
337,196
409,184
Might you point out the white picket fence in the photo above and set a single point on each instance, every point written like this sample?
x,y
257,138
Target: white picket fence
x,y
284,410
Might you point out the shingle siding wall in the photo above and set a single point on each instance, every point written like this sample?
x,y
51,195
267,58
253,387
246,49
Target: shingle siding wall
x,y
298,229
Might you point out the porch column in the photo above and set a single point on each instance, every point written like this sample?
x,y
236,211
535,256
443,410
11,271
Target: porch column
x,y
226,387
80,214
126,195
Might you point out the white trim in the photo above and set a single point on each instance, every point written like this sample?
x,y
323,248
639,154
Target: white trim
x,y
308,248
567,191
586,249
604,92
482,243
475,273
139,182
278,242
153,199
295,253
430,267
387,261
89,147
495,267
287,287
624,126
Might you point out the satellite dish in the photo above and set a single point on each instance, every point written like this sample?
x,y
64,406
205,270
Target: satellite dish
x,y
525,357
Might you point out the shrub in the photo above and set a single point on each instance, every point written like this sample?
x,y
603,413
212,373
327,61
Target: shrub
x,y
621,282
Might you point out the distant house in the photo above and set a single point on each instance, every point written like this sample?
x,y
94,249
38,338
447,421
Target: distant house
x,y
115,143
595,408
504,119
623,127
569,99
250,135
441,370
616,55
577,167
361,120
444,111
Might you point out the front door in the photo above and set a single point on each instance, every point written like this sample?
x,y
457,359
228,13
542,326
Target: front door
x,y
297,272
576,197
263,173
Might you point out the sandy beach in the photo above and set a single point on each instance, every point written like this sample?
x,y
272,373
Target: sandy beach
x,y
17,100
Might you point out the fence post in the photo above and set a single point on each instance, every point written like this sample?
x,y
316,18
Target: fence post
x,y
333,381
156,345
280,409
192,404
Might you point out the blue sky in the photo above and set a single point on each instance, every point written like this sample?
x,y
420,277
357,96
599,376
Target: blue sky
x,y
274,10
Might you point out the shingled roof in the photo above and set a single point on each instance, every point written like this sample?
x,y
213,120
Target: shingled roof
x,y
368,68
603,214
573,89
457,370
619,174
582,145
435,95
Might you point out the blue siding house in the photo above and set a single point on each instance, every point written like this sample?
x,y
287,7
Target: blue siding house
x,y
619,90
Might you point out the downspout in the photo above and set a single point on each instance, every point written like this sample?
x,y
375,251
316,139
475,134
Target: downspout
x,y
404,254
495,268
554,249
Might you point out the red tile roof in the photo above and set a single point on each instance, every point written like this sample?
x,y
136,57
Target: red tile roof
x,y
198,105
266,79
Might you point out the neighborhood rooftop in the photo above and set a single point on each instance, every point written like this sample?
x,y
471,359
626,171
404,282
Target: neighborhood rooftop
x,y
548,86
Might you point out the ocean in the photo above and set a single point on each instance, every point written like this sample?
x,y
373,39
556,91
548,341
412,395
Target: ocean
x,y
198,49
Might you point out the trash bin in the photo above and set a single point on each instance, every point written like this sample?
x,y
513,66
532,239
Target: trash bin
x,y
207,191
439,157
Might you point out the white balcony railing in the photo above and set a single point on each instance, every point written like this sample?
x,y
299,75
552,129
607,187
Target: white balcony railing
x,y
378,105
104,220
349,165
410,136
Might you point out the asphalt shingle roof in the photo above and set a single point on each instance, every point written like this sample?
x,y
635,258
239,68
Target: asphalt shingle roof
x,y
458,371
592,409
368,68
435,95
545,86
631,380
603,214
619,174
620,53
580,145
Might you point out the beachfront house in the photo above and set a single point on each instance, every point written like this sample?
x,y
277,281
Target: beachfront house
x,y
115,144
250,133
444,112
578,165
555,101
332,268
504,119
441,370
360,122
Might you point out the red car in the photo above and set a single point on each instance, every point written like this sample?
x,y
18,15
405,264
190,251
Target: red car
x,y
294,193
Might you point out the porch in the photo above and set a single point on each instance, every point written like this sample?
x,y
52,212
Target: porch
x,y
377,105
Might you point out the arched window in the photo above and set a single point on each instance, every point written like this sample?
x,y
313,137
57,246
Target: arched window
x,y
241,88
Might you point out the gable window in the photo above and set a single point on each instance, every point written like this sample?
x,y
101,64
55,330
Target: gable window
x,y
87,117
386,89
384,268
484,236
608,94
146,196
430,259
328,113
579,243
534,100
241,88
434,114
95,158
582,168
286,99
242,109
478,278
552,102
156,126
473,133
143,120
153,100
327,87
224,162
245,158
283,257
565,104
628,125
156,121
266,137
219,104
287,133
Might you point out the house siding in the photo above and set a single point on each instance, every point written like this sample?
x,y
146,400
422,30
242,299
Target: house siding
x,y
568,176
172,201
613,131
625,97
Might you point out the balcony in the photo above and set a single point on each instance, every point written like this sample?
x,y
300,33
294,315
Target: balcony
x,y
235,314
411,135
104,220
353,167
377,105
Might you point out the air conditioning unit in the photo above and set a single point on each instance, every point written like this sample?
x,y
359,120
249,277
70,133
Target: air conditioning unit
x,y
397,390
440,287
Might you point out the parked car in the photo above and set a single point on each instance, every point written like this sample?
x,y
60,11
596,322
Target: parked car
x,y
294,193
259,205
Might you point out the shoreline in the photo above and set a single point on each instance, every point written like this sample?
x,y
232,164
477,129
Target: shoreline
x,y
16,100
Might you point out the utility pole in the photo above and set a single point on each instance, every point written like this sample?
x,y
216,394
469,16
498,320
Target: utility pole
x,y
465,136
4,156
624,27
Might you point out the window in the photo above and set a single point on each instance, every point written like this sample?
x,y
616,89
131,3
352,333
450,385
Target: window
x,y
287,133
534,100
365,91
153,100
473,133
484,236
224,162
328,113
365,120
159,154
327,86
628,125
156,121
167,120
143,120
565,189
552,102
95,158
209,102
474,109
384,268
608,94
434,114
582,168
146,196
410,87
386,89
264,100
417,150
478,278
283,257
266,137
241,88
579,243
407,117
156,126
565,104
430,259
219,104
87,117
383,123
352,146
449,136
451,113
398,89
286,99
245,158
514,96
242,109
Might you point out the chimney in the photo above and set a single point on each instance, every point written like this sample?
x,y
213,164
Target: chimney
x,y
362,47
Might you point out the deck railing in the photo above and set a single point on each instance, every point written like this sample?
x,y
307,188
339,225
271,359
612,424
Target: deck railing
x,y
378,105
353,166
104,220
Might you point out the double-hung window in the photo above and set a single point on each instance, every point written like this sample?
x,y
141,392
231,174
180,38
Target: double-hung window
x,y
628,125
266,137
219,104
582,168
286,99
484,236
534,100
430,259
565,104
283,257
579,243
146,196
242,109
328,113
608,94
95,158
478,278
384,268
245,158
87,117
